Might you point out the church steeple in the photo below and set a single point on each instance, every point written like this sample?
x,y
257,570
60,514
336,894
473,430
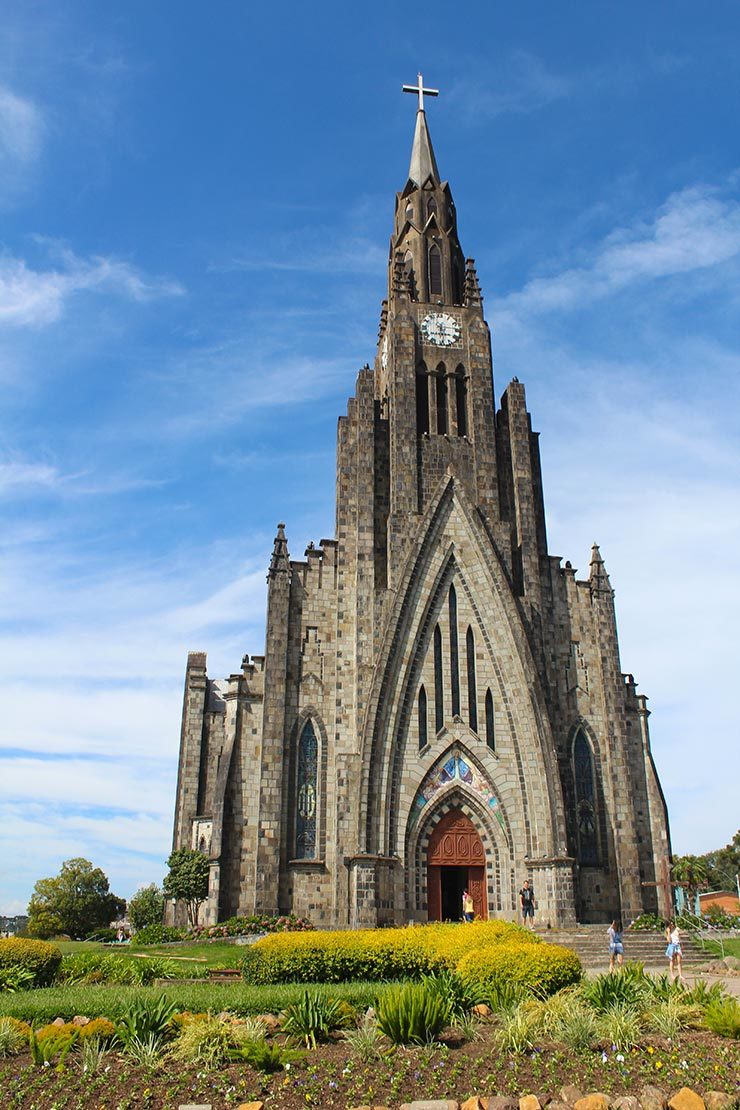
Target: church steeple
x,y
423,166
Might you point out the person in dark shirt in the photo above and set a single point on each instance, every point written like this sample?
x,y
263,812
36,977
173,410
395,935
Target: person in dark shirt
x,y
526,897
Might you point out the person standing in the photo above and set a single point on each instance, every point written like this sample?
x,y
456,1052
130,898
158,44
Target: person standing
x,y
467,905
674,953
526,897
616,944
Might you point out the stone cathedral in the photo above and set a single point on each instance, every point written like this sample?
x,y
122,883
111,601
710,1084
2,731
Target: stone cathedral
x,y
440,703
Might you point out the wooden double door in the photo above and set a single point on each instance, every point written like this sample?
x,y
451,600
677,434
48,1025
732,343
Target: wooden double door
x,y
455,860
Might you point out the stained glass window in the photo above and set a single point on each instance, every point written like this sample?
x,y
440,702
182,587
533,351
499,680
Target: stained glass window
x,y
439,711
306,800
454,663
422,718
472,700
583,770
490,727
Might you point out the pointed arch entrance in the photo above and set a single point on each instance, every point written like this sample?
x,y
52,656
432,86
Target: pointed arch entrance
x,y
455,860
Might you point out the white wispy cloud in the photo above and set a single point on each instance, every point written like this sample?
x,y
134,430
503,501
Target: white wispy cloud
x,y
520,83
32,297
697,228
21,141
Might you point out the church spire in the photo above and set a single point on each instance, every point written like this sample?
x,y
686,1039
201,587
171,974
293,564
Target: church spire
x,y
280,560
423,163
598,577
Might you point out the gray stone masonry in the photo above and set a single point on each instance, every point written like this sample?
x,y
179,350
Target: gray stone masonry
x,y
433,666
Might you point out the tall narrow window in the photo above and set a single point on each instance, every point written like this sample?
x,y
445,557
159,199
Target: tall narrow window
x,y
441,386
490,726
431,206
454,662
439,709
583,772
472,700
422,718
457,284
422,401
408,262
435,272
306,787
461,402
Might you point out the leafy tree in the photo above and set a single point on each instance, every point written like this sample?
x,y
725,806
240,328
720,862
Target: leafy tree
x,y
146,907
691,873
77,901
723,865
187,880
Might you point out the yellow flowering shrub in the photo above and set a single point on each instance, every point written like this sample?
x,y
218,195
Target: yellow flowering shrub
x,y
37,956
544,968
98,1027
371,954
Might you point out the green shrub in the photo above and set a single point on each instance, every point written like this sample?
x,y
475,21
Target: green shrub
x,y
14,979
649,921
263,1057
55,1046
458,995
13,1038
542,969
517,1030
670,1016
723,1017
103,936
412,1014
205,1042
313,1018
37,956
619,1025
159,934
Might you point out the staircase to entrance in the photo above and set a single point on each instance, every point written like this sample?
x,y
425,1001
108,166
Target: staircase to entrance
x,y
646,946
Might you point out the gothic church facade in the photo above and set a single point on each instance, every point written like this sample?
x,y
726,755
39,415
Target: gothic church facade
x,y
440,703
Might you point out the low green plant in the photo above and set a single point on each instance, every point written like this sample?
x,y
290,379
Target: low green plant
x,y
205,1042
147,1017
670,1016
312,1018
468,1026
12,1037
702,994
366,1038
619,1024
248,1029
722,1016
159,934
51,1049
517,1030
460,996
503,996
628,987
93,1051
412,1014
578,1029
263,1057
648,921
14,979
145,1050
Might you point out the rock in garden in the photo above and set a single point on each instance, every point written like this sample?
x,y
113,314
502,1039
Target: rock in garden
x,y
270,1021
482,1011
195,1106
557,1105
596,1101
251,1106
531,1102
732,962
474,1103
500,1102
686,1099
652,1098
431,1104
718,1100
79,1020
59,1021
626,1102
571,1094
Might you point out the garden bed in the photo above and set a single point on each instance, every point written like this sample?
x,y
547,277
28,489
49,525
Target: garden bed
x,y
334,1078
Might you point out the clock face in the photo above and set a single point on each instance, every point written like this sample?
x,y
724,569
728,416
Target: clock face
x,y
441,329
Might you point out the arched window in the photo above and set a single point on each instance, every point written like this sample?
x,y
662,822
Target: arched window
x,y
435,271
431,206
490,726
441,388
408,262
454,662
422,718
457,284
306,793
461,402
439,709
202,845
422,400
583,773
472,700
409,211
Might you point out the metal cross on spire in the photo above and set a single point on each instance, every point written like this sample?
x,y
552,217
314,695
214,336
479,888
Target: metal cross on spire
x,y
422,92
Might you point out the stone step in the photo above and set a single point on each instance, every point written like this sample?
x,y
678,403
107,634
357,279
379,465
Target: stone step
x,y
648,947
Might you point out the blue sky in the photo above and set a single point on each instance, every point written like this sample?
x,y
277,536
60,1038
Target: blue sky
x,y
195,206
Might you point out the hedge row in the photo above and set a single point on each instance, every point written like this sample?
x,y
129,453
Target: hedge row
x,y
408,953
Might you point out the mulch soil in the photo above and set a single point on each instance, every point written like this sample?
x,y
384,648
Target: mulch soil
x,y
332,1077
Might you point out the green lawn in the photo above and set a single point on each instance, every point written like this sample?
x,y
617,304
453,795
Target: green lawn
x,y
47,1003
731,947
214,954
